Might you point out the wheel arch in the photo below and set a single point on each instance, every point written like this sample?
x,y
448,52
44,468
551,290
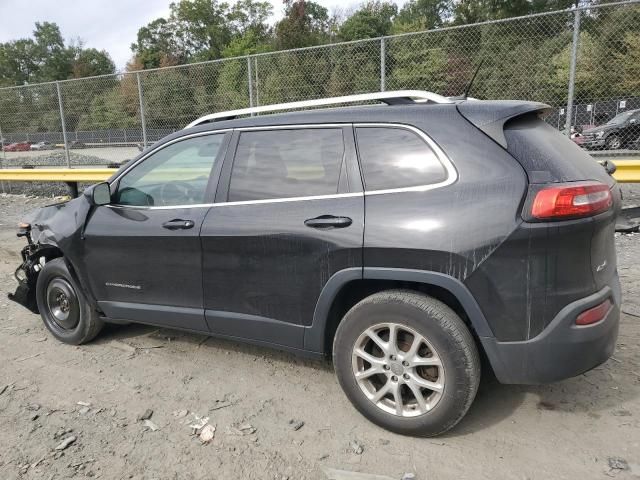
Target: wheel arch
x,y
347,287
49,251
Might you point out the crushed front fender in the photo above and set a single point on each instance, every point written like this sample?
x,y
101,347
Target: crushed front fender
x,y
27,276
56,230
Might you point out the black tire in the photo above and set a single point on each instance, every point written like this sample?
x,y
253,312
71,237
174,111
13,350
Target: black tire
x,y
613,142
63,307
447,334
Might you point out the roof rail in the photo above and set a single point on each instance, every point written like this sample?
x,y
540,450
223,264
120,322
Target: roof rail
x,y
390,98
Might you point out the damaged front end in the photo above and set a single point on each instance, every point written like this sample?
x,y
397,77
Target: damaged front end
x,y
49,231
27,276
33,259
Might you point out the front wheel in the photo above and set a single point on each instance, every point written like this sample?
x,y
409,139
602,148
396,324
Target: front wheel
x,y
407,362
63,307
613,142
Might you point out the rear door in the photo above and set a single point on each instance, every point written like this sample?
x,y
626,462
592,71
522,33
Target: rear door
x,y
289,214
143,251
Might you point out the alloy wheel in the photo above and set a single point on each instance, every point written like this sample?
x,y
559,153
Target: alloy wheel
x,y
398,369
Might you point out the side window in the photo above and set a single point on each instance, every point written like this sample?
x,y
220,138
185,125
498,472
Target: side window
x,y
396,158
286,163
175,175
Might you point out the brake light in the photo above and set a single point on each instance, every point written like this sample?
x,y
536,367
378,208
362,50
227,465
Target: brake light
x,y
594,314
579,199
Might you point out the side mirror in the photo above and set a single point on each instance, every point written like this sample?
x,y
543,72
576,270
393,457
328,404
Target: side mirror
x,y
101,194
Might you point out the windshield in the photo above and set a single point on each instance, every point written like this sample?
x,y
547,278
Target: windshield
x,y
620,118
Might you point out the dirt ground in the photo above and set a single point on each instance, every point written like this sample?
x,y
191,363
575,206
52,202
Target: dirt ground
x,y
586,427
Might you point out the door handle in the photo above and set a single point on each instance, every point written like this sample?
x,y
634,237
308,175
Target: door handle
x,y
328,221
178,224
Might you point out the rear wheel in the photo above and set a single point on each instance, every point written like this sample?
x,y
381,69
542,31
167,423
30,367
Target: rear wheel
x,y
407,362
63,307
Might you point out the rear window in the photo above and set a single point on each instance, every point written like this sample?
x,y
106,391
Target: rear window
x,y
396,158
286,163
547,155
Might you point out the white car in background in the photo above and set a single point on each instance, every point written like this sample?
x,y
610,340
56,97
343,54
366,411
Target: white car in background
x,y
41,146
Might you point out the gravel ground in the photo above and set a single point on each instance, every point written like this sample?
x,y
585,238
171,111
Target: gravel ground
x,y
98,394
631,194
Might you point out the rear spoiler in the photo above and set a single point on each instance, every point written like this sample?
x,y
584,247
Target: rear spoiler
x,y
490,116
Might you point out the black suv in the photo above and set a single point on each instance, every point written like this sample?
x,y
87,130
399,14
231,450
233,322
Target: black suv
x,y
623,130
406,240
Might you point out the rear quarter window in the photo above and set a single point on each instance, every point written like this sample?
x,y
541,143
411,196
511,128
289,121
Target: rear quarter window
x,y
547,155
396,158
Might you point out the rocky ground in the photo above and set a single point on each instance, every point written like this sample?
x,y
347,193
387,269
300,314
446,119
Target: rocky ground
x,y
125,407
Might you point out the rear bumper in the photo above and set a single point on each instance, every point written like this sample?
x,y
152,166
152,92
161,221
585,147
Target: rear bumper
x,y
561,350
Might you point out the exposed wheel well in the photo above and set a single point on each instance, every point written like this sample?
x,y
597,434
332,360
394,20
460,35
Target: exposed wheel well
x,y
354,291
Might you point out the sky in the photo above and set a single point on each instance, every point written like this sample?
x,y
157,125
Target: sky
x,y
109,25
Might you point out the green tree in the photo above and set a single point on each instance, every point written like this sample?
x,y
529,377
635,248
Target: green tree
x,y
202,27
55,60
18,62
304,24
473,11
156,41
416,15
90,62
628,62
249,16
373,19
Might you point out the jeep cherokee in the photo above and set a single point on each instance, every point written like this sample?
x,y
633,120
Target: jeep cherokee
x,y
405,240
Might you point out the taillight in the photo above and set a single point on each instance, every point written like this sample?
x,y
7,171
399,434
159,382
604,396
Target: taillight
x,y
594,314
571,200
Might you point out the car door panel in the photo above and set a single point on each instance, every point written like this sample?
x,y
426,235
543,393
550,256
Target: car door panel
x,y
142,264
143,252
262,260
264,268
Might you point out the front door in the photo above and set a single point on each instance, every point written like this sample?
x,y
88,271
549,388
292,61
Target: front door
x,y
143,251
291,215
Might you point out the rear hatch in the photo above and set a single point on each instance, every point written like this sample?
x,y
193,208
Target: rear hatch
x,y
553,161
553,158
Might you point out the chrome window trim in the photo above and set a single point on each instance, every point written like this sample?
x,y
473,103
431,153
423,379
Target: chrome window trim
x,y
163,207
244,202
288,199
452,174
293,126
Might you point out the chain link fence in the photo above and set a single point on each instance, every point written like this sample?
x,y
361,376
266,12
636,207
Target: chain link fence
x,y
585,63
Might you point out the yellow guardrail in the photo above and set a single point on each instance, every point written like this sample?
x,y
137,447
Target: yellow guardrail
x,y
56,174
627,171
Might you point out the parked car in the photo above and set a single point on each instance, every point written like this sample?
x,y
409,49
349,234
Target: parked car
x,y
18,147
402,240
42,146
621,131
77,144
